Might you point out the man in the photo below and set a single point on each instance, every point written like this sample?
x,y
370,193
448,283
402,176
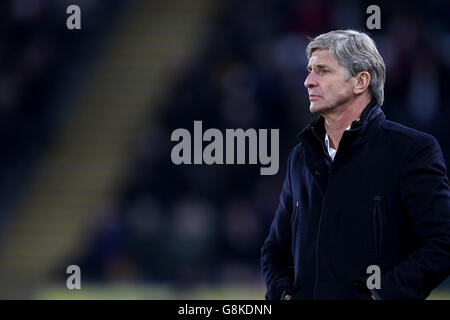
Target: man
x,y
360,191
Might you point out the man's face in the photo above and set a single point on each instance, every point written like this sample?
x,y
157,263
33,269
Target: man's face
x,y
328,83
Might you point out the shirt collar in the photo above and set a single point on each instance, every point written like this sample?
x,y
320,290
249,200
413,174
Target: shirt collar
x,y
331,151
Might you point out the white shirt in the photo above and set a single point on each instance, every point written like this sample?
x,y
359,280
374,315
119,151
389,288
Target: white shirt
x,y
331,151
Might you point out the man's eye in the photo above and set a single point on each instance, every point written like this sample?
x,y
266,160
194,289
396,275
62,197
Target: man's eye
x,y
323,71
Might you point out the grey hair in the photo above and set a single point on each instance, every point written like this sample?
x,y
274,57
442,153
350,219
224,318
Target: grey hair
x,y
357,52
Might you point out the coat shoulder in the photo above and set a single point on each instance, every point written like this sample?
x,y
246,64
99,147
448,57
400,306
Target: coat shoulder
x,y
297,148
406,134
296,151
295,157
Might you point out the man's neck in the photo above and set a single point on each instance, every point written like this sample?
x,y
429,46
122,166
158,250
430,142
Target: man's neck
x,y
340,118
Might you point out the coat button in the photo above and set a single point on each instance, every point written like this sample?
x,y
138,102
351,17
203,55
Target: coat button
x,y
317,173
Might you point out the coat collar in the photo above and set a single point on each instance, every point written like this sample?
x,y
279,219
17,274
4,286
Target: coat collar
x,y
360,130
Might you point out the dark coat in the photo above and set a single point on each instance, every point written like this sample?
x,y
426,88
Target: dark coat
x,y
383,201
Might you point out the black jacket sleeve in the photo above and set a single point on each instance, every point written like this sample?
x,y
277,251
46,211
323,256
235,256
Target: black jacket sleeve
x,y
424,191
276,256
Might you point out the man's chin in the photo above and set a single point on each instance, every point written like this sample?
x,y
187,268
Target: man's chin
x,y
319,108
315,108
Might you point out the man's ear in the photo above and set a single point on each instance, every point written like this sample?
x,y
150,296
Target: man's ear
x,y
361,83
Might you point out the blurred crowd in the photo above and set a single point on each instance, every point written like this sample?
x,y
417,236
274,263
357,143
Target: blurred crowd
x,y
41,61
27,55
194,224
205,224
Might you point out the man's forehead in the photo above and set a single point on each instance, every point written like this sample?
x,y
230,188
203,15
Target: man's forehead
x,y
321,57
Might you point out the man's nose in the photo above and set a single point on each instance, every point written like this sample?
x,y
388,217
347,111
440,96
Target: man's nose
x,y
310,81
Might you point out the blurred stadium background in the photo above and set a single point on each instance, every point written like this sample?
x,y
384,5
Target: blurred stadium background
x,y
86,118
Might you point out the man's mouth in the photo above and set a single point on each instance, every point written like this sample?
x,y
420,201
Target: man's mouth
x,y
313,97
